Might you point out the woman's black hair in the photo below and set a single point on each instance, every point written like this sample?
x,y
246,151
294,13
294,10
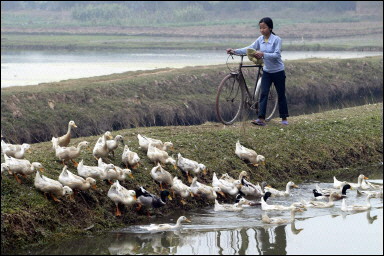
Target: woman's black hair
x,y
269,23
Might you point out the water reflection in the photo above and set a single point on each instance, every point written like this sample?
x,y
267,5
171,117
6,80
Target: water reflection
x,y
223,233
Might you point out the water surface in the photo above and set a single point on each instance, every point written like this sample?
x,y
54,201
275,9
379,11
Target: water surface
x,y
20,68
315,231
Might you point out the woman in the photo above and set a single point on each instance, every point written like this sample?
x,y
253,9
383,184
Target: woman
x,y
268,48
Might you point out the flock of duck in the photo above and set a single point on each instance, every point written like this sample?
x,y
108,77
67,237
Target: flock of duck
x,y
243,192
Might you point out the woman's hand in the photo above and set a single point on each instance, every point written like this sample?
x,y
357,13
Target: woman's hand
x,y
259,55
230,51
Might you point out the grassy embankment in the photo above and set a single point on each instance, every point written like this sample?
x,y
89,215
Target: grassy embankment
x,y
174,97
313,147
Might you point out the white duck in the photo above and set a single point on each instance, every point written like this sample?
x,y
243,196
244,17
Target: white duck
x,y
50,186
200,189
225,176
15,150
251,190
21,166
74,181
360,183
5,167
269,207
269,220
101,149
119,194
287,191
337,183
181,189
95,172
160,156
319,204
70,153
114,143
129,158
161,176
145,141
164,227
236,207
350,208
190,166
225,186
114,172
375,194
249,155
64,140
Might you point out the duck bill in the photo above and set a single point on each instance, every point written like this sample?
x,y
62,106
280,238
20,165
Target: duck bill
x,y
205,171
366,178
42,169
188,220
295,186
94,186
169,197
131,175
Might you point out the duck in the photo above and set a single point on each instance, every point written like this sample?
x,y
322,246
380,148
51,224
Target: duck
x,y
268,220
349,208
277,193
101,149
21,166
15,150
247,203
50,186
161,176
318,196
319,204
341,193
64,140
70,153
225,176
249,155
74,181
251,190
114,172
179,188
165,227
119,194
208,192
160,156
337,183
95,172
360,183
225,186
268,207
145,141
190,166
114,143
5,167
375,194
148,200
236,207
129,158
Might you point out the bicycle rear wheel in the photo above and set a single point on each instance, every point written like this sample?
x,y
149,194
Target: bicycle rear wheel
x,y
272,101
229,99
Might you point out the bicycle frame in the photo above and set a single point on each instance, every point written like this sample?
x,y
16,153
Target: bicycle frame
x,y
240,73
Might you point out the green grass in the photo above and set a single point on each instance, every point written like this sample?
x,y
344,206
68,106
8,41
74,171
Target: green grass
x,y
312,147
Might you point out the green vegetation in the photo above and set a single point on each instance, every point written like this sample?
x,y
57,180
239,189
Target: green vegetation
x,y
312,147
174,97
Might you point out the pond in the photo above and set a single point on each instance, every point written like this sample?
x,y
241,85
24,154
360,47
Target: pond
x,y
21,68
314,231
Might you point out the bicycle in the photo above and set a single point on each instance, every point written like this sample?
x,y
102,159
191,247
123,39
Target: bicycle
x,y
234,97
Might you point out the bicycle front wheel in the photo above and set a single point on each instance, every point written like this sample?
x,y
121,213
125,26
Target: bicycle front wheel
x,y
271,103
229,99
